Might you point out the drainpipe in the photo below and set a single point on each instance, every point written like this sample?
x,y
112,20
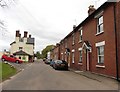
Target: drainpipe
x,y
115,30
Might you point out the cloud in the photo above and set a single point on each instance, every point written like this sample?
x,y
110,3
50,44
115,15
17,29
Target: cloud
x,y
48,21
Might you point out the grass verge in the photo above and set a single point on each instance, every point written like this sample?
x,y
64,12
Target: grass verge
x,y
6,71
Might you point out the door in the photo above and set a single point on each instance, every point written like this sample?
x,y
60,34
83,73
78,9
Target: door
x,y
87,60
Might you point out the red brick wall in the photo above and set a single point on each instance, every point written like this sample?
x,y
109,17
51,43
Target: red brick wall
x,y
118,34
89,34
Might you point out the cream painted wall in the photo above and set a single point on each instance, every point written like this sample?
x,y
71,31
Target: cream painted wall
x,y
22,57
28,48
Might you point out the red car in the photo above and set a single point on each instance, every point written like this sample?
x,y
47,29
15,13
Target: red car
x,y
11,58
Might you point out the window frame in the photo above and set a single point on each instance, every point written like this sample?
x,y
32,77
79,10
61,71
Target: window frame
x,y
73,57
73,39
80,35
99,55
99,24
20,48
80,56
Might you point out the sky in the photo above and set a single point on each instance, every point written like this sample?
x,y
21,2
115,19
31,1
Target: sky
x,y
48,21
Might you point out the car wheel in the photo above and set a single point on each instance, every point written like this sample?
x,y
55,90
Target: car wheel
x,y
17,62
3,59
55,67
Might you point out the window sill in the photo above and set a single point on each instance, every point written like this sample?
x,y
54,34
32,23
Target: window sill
x,y
80,63
100,66
80,42
73,44
99,33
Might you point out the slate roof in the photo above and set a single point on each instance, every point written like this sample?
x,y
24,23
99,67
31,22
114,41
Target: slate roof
x,y
30,41
12,43
20,53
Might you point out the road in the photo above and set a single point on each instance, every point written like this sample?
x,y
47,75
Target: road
x,y
39,76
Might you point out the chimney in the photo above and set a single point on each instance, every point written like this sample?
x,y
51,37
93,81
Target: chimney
x,y
29,36
25,34
74,26
17,33
91,9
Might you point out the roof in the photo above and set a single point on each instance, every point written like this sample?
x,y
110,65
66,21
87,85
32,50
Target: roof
x,y
20,53
107,3
30,41
12,43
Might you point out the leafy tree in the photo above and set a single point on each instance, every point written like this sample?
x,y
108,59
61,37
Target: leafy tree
x,y
46,50
38,55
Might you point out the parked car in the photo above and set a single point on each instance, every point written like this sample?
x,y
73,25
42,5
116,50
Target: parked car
x,y
11,58
44,59
52,62
60,64
47,61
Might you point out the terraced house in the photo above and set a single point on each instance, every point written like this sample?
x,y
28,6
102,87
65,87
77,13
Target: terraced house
x,y
94,44
23,47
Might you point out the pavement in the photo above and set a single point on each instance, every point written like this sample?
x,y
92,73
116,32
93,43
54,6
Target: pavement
x,y
97,77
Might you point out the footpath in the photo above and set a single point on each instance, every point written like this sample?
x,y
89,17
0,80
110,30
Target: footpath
x,y
100,78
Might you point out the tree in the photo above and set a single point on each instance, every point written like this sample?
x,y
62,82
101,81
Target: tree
x,y
38,55
46,50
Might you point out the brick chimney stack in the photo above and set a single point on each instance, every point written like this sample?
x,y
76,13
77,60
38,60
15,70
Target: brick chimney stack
x,y
29,36
74,26
25,34
91,9
17,33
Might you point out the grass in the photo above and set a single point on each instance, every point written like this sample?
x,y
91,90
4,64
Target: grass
x,y
6,71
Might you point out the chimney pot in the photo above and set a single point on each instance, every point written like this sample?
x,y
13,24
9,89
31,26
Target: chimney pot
x,y
17,33
29,36
25,34
74,26
91,9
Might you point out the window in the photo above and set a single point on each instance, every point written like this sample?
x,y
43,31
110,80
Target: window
x,y
20,48
19,57
20,39
80,56
65,43
100,50
100,25
81,33
73,39
73,57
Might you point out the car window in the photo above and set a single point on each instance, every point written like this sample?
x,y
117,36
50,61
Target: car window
x,y
59,61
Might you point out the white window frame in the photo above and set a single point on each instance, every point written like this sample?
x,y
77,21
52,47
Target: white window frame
x,y
99,24
65,43
99,54
100,44
73,57
73,38
80,35
20,48
80,56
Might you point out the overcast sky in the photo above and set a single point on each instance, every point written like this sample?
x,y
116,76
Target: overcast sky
x,y
48,21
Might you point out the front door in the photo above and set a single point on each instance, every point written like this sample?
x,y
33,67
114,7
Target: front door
x,y
87,60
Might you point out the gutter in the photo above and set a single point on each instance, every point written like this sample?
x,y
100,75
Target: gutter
x,y
116,44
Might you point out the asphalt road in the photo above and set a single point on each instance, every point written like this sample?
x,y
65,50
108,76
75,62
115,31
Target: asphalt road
x,y
39,76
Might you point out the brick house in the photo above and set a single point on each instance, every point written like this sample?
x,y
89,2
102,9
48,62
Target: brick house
x,y
94,44
23,47
55,53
